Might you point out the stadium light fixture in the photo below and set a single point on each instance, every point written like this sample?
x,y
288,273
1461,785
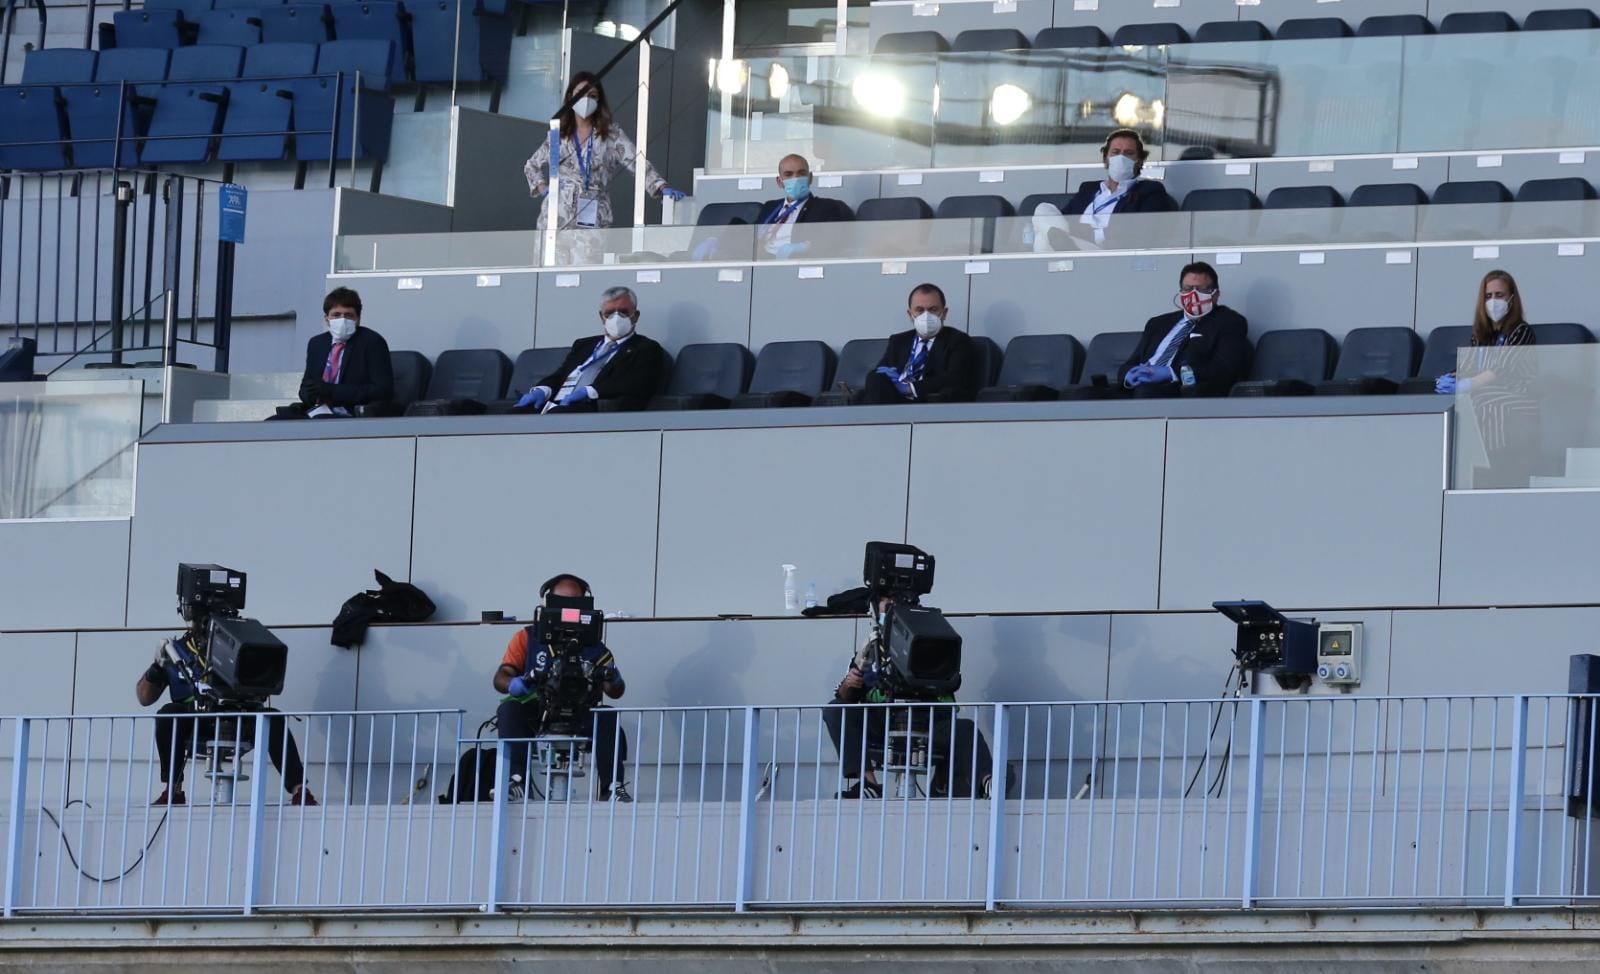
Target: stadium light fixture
x,y
1126,112
1008,103
778,81
879,94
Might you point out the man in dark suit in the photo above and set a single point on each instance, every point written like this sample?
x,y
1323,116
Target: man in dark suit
x,y
346,365
781,229
1202,349
1088,213
928,361
618,365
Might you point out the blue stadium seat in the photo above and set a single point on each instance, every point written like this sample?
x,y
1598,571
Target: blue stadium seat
x,y
1211,200
1036,367
1232,31
1566,18
1471,191
211,62
1395,25
1482,22
485,41
1388,194
1303,198
912,42
92,109
985,207
706,376
1563,333
1313,28
264,106
148,28
251,5
295,23
1059,37
991,39
314,102
1438,357
1149,35
191,109
894,208
33,115
189,9
788,374
132,64
856,361
237,27
58,65
1374,361
1289,362
377,20
1569,189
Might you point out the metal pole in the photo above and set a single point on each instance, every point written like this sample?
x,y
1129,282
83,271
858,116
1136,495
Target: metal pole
x,y
745,876
223,318
258,792
172,266
119,263
19,801
1519,764
169,340
997,812
1252,808
333,130
642,136
497,827
355,127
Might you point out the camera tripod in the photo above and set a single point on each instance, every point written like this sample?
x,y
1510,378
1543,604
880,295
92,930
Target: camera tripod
x,y
561,759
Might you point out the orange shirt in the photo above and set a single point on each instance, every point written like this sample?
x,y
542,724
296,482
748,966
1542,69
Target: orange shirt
x,y
516,655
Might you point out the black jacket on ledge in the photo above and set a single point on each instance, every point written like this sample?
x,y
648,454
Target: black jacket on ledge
x,y
633,374
1217,350
948,374
367,376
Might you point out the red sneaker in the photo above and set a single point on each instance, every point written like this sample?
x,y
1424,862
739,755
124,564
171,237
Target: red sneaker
x,y
170,797
303,796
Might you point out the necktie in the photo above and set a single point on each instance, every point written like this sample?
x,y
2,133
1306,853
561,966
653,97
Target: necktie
x,y
330,372
919,357
1171,351
584,375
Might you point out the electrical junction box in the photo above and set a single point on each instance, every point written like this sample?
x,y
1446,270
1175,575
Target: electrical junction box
x,y
1339,653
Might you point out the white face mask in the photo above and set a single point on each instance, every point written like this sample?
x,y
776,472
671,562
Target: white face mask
x,y
586,106
341,328
618,326
1121,168
927,324
1497,308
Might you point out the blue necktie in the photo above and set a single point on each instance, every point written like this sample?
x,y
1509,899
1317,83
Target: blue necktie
x,y
919,356
1171,351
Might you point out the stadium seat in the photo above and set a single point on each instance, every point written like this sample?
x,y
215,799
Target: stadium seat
x,y
295,23
92,110
194,109
264,106
1483,22
1471,191
1303,198
1107,351
1212,200
788,374
987,207
1232,31
33,115
856,361
412,371
1197,153
1149,35
991,39
314,102
209,62
1388,194
1374,361
1312,28
485,50
377,20
1438,357
240,27
58,65
1036,367
729,214
1395,25
986,365
894,208
1566,18
191,10
1563,333
532,364
253,5
1571,189
148,28
707,376
1289,362
1061,37
464,382
912,42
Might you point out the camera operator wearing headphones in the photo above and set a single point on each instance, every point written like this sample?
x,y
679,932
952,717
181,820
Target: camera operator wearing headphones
x,y
521,715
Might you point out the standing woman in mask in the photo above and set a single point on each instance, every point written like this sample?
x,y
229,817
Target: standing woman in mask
x,y
1501,382
1122,191
593,149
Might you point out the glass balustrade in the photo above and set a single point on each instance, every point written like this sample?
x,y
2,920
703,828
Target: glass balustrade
x,y
67,448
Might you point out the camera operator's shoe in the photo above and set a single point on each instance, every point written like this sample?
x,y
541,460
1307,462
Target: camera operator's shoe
x,y
303,796
170,797
514,790
618,793
855,791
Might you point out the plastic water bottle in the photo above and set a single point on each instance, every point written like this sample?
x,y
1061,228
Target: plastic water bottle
x,y
791,598
811,595
1186,376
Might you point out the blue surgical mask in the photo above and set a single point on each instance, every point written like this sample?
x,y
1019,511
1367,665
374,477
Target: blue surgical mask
x,y
797,187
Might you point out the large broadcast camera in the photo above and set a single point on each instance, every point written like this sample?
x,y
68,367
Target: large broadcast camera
x,y
918,651
240,663
568,688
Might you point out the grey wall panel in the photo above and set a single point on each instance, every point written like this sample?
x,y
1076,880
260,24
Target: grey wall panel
x,y
1548,535
308,521
1072,294
61,574
1039,516
1488,650
1347,174
852,188
1277,290
1183,178
449,311
1108,15
732,662
480,542
737,505
1013,184
1336,511
1028,16
490,192
1353,12
435,667
1447,282
1516,168
687,305
847,301
363,213
1025,658
41,667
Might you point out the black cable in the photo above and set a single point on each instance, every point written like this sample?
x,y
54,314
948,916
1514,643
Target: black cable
x,y
67,844
1227,752
1226,682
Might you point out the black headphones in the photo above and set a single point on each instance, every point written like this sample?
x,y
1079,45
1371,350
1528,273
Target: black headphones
x,y
554,580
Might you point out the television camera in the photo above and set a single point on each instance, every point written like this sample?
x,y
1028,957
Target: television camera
x,y
918,653
240,663
568,687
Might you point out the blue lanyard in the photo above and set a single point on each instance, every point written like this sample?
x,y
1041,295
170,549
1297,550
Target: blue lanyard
x,y
596,355
1483,352
585,165
782,212
1113,201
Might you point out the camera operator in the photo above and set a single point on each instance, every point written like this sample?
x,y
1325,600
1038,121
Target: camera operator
x,y
179,729
521,714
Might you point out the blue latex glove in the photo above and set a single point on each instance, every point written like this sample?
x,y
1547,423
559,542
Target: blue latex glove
x,y
705,249
672,194
1139,375
1027,235
1163,374
889,372
1463,385
1445,385
519,687
534,397
572,398
906,390
789,250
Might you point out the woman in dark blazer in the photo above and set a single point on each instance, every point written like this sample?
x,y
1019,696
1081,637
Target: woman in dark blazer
x,y
1500,382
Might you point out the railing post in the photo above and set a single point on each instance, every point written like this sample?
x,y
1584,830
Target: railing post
x,y
222,327
258,800
1519,765
997,811
750,770
497,823
119,265
19,802
1252,806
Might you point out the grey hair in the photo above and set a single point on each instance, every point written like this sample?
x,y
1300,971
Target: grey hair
x,y
613,293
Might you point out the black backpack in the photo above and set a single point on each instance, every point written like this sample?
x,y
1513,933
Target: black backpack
x,y
391,601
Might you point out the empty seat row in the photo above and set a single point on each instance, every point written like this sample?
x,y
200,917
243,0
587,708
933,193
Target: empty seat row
x,y
194,10
1224,31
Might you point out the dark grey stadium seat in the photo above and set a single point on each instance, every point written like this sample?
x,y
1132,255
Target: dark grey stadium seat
x,y
707,376
1388,194
1197,153
532,364
991,39
1395,25
412,371
1303,198
788,374
1563,333
1232,31
986,364
1568,189
1374,361
728,214
1036,367
1149,35
1565,18
987,207
856,361
1312,28
464,382
1438,357
894,208
1210,200
1471,191
1107,351
912,42
1289,362
1482,22
1057,37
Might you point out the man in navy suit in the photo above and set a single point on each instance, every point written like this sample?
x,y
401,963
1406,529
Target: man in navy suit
x,y
620,365
926,361
783,228
346,365
1201,349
